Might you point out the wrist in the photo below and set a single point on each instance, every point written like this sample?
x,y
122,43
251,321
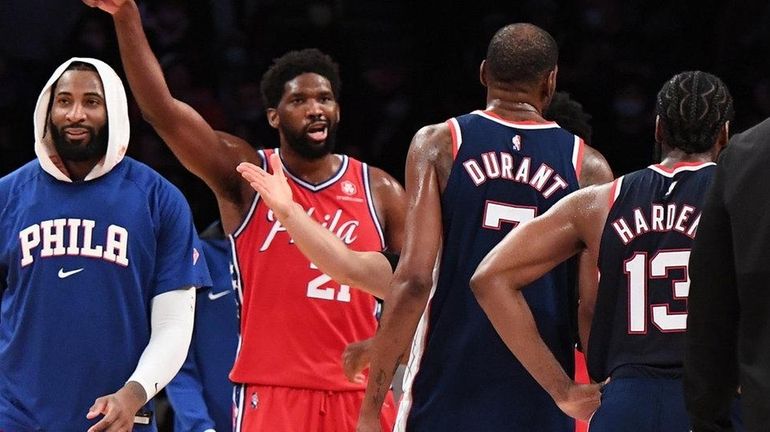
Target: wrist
x,y
135,393
289,211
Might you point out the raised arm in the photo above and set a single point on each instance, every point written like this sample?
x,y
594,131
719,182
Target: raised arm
x,y
566,229
413,278
187,134
369,271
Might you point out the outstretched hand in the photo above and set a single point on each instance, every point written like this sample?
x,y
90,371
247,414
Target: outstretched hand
x,y
355,359
273,189
118,409
109,6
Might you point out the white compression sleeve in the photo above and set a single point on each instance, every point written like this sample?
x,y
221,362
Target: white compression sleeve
x,y
171,318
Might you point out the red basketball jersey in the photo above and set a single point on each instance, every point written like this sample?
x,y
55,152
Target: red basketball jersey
x,y
295,320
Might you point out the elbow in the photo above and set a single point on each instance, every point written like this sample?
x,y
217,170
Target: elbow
x,y
480,283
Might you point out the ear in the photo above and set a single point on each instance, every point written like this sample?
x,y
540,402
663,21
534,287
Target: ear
x,y
658,130
723,137
552,81
272,118
483,73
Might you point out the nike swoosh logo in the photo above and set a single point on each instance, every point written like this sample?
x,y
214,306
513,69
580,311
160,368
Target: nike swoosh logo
x,y
65,274
213,296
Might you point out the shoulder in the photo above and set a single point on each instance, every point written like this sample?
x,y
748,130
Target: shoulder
x,y
594,169
15,182
433,139
150,182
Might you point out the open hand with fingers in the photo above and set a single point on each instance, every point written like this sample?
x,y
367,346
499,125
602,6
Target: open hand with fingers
x,y
355,359
109,6
272,188
118,409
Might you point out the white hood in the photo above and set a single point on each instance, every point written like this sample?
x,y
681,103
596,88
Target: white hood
x,y
117,116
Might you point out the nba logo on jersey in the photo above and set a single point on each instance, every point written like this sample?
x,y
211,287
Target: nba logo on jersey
x,y
254,400
196,255
348,188
516,141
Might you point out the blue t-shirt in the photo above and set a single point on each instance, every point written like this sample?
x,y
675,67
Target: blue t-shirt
x,y
79,266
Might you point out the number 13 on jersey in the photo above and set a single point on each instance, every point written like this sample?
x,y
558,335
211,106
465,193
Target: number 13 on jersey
x,y
640,274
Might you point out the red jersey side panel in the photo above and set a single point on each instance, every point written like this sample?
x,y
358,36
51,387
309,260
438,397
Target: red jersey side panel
x,y
295,320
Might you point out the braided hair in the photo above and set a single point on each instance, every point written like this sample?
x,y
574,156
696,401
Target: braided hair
x,y
693,106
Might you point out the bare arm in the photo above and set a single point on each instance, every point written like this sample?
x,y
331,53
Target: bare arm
x,y
413,278
595,169
369,271
390,203
550,239
187,134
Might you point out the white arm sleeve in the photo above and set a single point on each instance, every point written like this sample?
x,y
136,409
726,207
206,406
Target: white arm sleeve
x,y
171,318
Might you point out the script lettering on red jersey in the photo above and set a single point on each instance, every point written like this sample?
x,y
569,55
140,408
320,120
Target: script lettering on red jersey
x,y
72,237
503,165
683,219
344,230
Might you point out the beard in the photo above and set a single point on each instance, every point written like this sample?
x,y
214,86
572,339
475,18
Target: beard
x,y
309,149
73,150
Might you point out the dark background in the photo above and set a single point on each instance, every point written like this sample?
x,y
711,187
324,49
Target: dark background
x,y
404,64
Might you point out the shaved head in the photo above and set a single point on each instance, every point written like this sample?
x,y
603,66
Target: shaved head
x,y
521,53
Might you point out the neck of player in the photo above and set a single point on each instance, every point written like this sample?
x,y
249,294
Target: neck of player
x,y
313,171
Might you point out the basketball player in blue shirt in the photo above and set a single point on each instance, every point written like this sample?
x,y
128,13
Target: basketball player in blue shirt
x,y
641,227
98,264
469,181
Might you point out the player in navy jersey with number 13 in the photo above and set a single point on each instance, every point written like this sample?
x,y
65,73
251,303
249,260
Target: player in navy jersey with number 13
x,y
642,225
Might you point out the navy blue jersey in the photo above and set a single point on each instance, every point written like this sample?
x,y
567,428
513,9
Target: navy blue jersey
x,y
641,307
461,374
80,264
201,394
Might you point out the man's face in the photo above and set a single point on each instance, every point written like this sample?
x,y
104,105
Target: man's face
x,y
307,115
78,116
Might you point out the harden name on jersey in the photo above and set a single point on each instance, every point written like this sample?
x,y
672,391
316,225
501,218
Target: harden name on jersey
x,y
661,218
73,237
501,165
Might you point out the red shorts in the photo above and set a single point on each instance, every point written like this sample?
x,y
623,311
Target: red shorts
x,y
285,409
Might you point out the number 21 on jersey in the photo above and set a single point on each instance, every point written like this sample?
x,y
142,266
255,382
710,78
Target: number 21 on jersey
x,y
316,289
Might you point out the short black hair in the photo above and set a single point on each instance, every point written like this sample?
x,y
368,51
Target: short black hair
x,y
521,53
570,115
295,63
693,106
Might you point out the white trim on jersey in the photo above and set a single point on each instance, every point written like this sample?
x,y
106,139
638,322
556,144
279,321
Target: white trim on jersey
x,y
618,188
313,187
239,391
577,150
415,355
370,203
253,207
457,132
548,125
662,171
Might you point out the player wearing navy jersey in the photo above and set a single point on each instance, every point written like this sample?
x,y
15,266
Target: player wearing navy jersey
x,y
641,226
470,180
98,255
201,393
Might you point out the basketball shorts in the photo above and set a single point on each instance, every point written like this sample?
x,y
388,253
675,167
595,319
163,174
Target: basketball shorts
x,y
284,409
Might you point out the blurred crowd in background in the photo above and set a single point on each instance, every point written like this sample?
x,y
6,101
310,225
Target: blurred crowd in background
x,y
404,64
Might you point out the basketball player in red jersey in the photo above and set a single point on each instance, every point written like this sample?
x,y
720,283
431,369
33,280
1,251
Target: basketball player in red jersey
x,y
295,321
